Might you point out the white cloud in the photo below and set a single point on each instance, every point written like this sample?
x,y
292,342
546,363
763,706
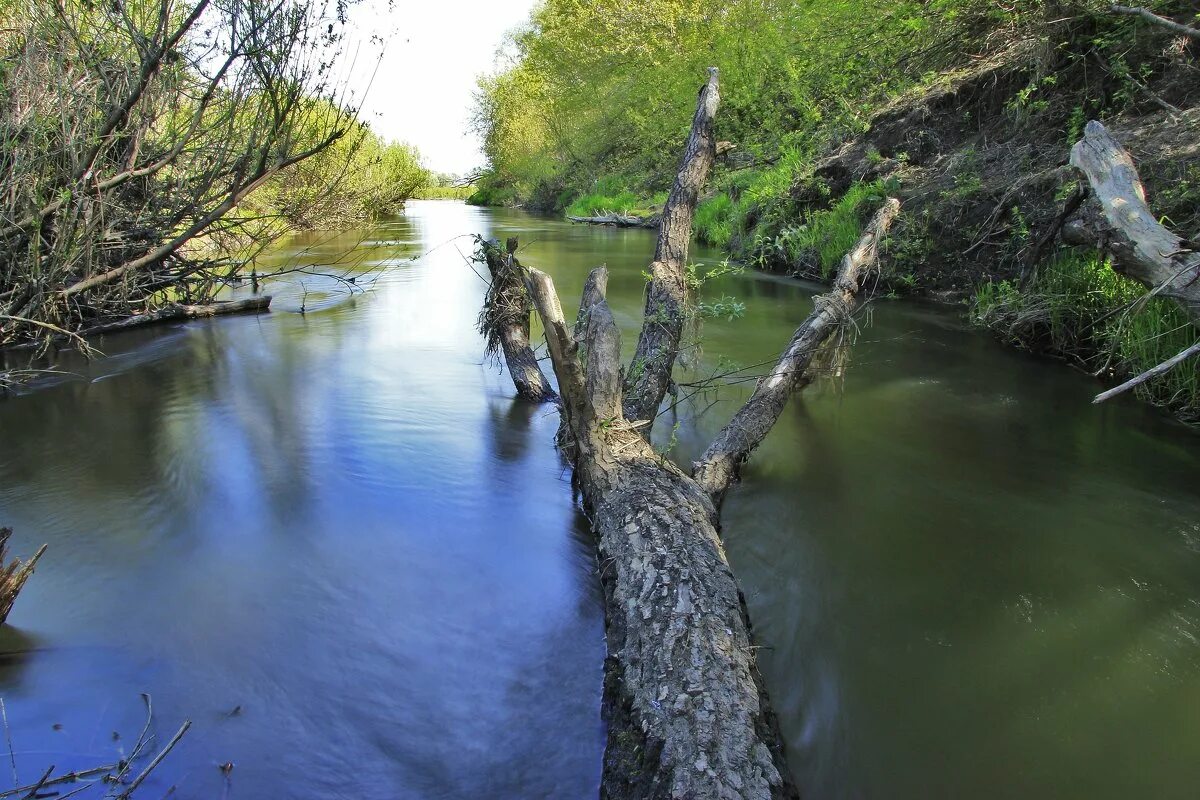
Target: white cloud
x,y
433,53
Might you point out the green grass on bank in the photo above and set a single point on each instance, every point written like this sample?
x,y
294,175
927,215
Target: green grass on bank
x,y
611,196
1080,309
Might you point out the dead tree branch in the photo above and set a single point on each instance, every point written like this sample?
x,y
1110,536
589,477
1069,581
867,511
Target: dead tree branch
x,y
14,575
649,374
718,467
687,711
1154,19
1150,374
504,320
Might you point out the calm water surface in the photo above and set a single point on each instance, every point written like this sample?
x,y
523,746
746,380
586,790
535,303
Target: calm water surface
x,y
968,581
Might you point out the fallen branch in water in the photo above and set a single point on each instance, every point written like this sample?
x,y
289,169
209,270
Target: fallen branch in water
x,y
180,311
687,713
620,220
109,775
1149,374
13,576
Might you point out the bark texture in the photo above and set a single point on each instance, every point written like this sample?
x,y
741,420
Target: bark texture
x,y
14,575
1118,219
505,321
649,374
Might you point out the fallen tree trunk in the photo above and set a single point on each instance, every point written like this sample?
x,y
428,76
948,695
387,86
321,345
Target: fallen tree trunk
x,y
14,575
1117,219
619,220
504,321
181,311
688,715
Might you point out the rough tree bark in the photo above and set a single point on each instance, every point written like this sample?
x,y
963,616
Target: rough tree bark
x,y
14,575
1117,219
505,321
649,376
687,713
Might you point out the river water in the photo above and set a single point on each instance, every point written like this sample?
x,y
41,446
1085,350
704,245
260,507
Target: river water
x,y
334,541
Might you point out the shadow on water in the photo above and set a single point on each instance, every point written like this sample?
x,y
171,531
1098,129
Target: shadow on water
x,y
968,581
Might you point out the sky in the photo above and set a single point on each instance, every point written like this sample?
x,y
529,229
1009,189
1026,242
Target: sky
x,y
434,50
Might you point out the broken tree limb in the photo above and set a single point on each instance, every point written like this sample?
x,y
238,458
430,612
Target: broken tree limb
x,y
1149,374
1118,220
14,575
1154,19
649,374
719,465
504,321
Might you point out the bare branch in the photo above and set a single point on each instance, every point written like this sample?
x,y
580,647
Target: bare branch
x,y
718,467
1155,19
1149,374
662,326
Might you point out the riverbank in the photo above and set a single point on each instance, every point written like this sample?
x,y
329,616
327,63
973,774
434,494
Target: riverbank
x,y
977,151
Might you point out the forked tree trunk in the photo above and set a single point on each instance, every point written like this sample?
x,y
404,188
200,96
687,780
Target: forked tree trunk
x,y
688,715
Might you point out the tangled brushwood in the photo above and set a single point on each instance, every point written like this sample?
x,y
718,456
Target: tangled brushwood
x,y
131,132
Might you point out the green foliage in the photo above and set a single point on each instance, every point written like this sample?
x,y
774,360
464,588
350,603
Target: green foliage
x,y
724,307
816,245
714,222
1081,309
610,195
605,88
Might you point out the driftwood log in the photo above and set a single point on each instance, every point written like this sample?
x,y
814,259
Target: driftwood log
x,y
14,574
619,220
180,311
1118,220
687,713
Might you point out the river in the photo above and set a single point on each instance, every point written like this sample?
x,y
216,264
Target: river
x,y
335,542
